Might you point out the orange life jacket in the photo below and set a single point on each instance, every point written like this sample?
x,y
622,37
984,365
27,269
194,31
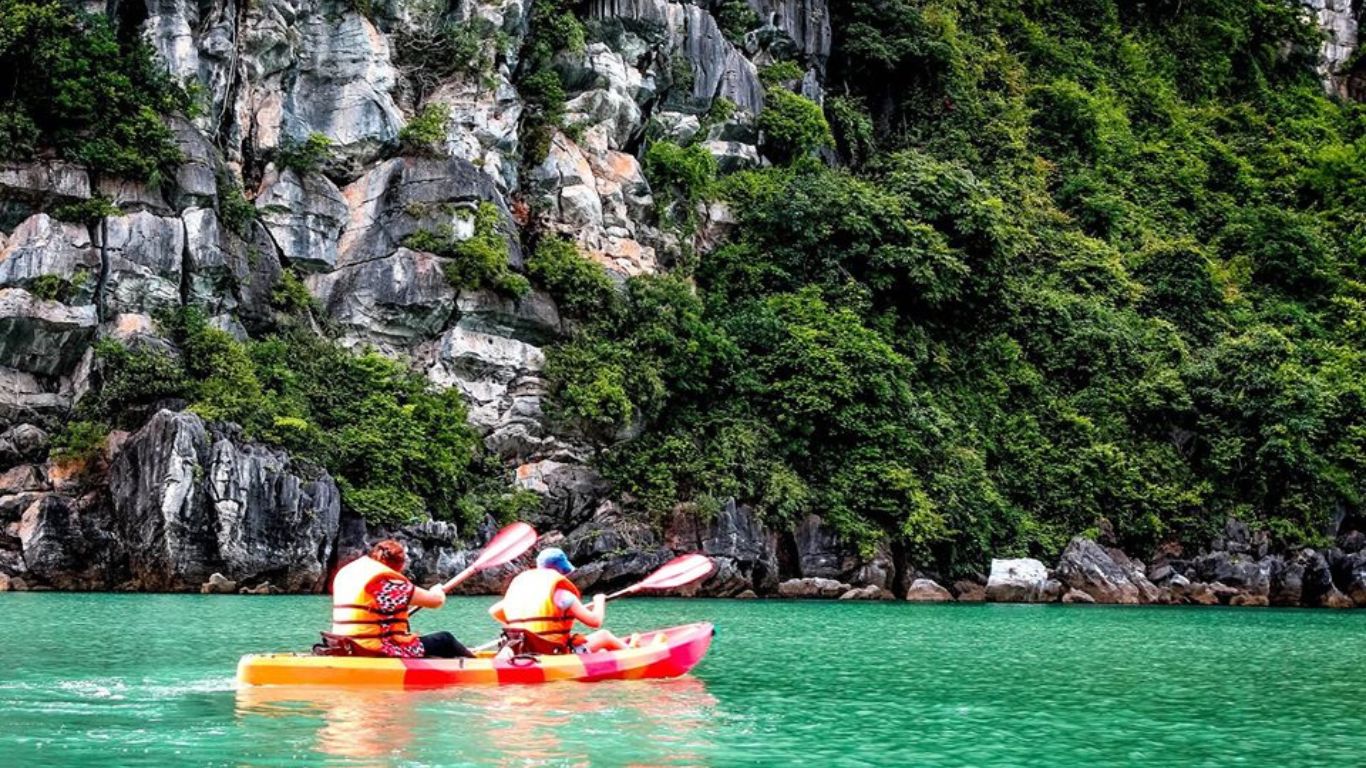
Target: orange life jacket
x,y
355,611
530,604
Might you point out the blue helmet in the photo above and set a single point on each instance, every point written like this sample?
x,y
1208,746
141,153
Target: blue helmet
x,y
554,557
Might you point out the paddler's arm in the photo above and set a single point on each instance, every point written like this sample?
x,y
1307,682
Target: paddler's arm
x,y
591,617
496,611
428,598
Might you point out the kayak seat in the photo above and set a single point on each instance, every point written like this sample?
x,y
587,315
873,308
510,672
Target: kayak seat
x,y
340,645
522,642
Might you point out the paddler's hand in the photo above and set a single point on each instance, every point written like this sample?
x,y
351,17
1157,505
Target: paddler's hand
x,y
429,598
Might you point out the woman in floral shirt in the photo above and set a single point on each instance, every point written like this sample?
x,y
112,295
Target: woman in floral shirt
x,y
370,602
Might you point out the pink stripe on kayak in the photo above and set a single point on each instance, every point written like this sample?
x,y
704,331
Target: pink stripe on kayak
x,y
599,666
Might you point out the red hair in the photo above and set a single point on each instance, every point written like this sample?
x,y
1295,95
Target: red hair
x,y
389,552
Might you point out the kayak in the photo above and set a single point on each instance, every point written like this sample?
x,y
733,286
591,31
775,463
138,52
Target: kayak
x,y
660,654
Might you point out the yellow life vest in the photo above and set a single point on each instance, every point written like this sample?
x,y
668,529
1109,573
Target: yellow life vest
x,y
355,611
530,604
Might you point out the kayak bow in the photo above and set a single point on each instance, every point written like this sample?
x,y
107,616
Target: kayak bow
x,y
662,653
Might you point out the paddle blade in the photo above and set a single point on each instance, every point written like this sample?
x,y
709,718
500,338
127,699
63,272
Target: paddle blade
x,y
511,543
678,572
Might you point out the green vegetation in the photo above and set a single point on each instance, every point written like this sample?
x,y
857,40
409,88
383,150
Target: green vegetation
x,y
480,261
57,288
291,296
782,73
554,28
75,87
688,172
79,441
1093,262
396,447
735,18
580,286
234,209
304,156
426,132
793,126
429,54
86,211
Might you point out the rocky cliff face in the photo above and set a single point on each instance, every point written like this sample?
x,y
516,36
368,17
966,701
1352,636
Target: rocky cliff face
x,y
177,500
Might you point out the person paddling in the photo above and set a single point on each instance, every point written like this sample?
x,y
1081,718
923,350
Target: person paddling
x,y
370,602
540,606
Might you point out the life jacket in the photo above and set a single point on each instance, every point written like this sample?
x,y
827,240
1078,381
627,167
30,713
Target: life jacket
x,y
530,604
356,613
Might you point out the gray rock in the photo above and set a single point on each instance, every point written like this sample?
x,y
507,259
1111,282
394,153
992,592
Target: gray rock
x,y
42,337
612,550
396,301
533,318
145,255
1339,24
1022,580
483,125
305,215
68,544
132,195
812,588
23,478
402,196
870,592
1077,596
927,591
23,442
1086,567
969,591
1239,571
196,179
744,549
1352,541
43,183
25,398
718,69
269,519
185,507
214,270
805,22
1336,600
1349,573
733,156
42,247
218,584
314,70
570,492
822,553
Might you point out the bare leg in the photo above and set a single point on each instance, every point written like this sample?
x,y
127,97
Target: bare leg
x,y
603,640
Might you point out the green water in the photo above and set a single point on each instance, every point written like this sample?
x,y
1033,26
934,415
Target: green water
x,y
785,683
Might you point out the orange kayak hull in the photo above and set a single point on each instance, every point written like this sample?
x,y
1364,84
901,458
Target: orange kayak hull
x,y
662,654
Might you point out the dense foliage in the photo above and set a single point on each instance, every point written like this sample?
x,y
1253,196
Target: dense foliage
x,y
398,449
1091,262
72,85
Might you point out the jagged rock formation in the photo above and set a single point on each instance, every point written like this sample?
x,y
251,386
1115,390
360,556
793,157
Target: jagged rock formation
x,y
1340,21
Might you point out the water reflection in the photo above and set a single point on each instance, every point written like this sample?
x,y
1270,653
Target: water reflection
x,y
655,723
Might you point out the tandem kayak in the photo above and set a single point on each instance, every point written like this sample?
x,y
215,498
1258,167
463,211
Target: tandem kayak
x,y
661,653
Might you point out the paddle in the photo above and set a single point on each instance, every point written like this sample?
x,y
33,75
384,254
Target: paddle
x,y
678,572
511,543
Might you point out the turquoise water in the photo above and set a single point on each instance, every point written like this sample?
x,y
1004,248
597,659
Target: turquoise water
x,y
785,683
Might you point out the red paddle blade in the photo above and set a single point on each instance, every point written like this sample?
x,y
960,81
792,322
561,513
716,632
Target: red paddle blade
x,y
510,543
678,572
